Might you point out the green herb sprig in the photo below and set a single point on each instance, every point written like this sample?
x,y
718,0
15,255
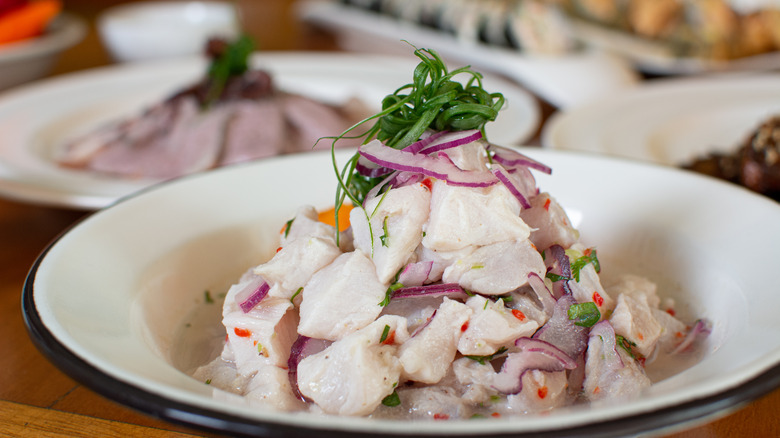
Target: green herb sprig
x,y
234,61
433,100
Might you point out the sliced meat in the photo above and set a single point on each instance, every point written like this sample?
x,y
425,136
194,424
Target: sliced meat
x,y
256,129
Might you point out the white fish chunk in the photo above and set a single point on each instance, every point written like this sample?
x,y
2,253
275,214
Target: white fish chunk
x,y
354,374
496,269
634,320
427,356
306,223
341,298
441,259
634,285
463,216
270,388
396,221
262,336
589,288
610,372
492,326
474,379
550,223
294,264
542,391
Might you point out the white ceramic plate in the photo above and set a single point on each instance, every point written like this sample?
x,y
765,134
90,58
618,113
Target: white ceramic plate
x,y
36,120
110,300
669,121
656,58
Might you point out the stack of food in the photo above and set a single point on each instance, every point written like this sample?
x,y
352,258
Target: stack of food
x,y
459,290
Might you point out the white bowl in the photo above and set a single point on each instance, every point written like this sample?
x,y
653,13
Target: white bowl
x,y
109,302
153,30
30,59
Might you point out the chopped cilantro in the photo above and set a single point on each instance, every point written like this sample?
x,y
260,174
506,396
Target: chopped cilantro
x,y
556,277
483,359
581,262
287,226
392,400
208,381
385,235
385,332
585,314
292,298
389,294
626,345
207,297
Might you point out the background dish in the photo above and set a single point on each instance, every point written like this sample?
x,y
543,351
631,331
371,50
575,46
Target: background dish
x,y
121,344
564,79
30,59
669,121
133,31
657,58
38,119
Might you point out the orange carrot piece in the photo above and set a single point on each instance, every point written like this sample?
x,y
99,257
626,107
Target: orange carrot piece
x,y
329,216
28,21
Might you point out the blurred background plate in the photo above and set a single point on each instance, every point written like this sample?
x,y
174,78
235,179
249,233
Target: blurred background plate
x,y
38,119
656,58
30,59
553,66
669,121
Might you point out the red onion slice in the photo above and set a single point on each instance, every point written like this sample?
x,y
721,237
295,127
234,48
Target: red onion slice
x,y
423,325
558,265
369,169
561,332
302,347
251,295
503,176
452,290
452,140
511,158
701,327
543,294
533,355
415,274
417,146
435,167
610,356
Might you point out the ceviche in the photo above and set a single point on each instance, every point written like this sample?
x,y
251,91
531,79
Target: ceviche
x,y
457,289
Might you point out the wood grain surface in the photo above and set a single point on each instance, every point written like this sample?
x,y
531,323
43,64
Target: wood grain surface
x,y
36,399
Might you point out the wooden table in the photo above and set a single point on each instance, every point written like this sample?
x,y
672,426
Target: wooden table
x,y
36,399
